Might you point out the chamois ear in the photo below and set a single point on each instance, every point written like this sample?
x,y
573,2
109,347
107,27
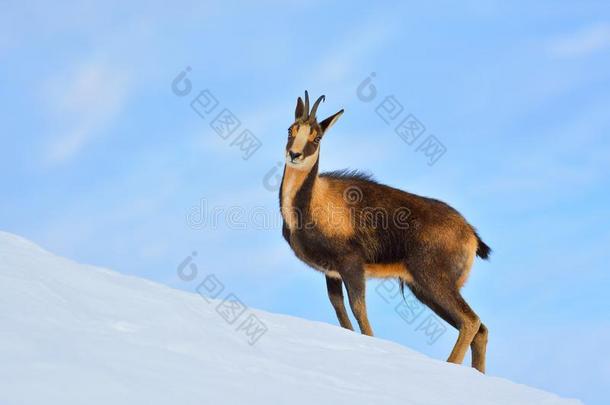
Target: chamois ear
x,y
298,112
329,122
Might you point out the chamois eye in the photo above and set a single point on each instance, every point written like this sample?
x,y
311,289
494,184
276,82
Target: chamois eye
x,y
317,139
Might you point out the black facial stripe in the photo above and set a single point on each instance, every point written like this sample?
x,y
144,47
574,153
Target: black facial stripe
x,y
309,149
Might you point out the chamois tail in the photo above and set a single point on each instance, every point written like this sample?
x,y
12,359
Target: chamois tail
x,y
483,251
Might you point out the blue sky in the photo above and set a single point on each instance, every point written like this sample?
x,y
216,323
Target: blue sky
x,y
102,162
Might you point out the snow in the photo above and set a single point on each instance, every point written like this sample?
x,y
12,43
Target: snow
x,y
74,334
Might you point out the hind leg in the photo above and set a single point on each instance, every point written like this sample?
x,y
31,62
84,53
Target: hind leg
x,y
468,324
479,348
444,299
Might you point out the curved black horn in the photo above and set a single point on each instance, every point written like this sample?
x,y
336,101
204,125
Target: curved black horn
x,y
306,112
312,114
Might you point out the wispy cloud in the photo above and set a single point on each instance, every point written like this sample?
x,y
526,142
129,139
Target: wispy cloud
x,y
82,103
586,41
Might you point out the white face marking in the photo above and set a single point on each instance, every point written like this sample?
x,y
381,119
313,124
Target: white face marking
x,y
300,140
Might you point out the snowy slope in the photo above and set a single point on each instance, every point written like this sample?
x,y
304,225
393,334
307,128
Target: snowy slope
x,y
76,334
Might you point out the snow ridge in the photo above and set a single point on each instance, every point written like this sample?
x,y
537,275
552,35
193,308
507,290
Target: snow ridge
x,y
73,334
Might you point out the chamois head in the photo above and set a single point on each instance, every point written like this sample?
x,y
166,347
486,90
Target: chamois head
x,y
305,133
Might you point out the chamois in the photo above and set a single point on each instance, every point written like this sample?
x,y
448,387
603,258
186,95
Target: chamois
x,y
350,227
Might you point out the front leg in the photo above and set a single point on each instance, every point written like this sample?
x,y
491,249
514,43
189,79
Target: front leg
x,y
334,286
355,283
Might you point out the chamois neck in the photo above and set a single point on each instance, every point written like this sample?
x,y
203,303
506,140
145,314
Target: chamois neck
x,y
296,191
291,172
